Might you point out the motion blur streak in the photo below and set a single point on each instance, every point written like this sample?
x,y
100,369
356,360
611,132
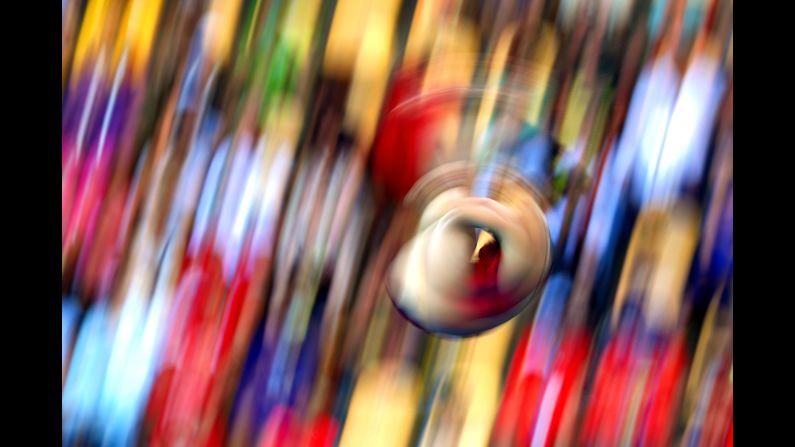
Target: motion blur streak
x,y
402,222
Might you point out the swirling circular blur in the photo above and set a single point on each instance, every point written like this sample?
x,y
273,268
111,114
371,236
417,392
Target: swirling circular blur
x,y
471,262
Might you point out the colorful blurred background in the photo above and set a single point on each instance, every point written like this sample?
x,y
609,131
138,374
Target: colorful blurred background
x,y
254,201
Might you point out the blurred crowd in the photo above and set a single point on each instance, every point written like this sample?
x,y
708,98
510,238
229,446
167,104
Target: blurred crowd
x,y
236,176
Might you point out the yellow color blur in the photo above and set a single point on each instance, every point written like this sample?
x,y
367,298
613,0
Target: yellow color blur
x,y
345,37
421,33
383,408
481,381
298,28
576,108
221,26
658,259
98,22
453,58
137,34
489,101
371,72
540,72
